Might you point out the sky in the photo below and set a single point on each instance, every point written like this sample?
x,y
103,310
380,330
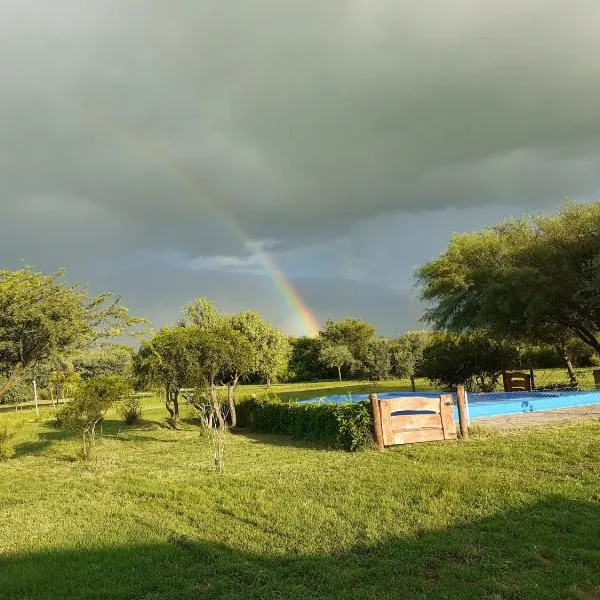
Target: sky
x,y
299,158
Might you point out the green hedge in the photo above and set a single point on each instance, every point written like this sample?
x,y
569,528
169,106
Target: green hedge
x,y
346,426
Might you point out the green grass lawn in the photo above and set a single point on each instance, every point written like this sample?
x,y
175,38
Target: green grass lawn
x,y
509,515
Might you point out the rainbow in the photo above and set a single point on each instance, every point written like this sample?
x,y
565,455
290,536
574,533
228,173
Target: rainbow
x,y
151,148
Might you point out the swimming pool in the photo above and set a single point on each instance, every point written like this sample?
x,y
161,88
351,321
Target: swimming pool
x,y
487,404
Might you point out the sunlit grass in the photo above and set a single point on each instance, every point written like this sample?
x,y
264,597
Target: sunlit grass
x,y
503,516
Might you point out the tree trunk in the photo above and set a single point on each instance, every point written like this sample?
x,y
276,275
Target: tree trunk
x,y
572,377
216,407
175,399
412,383
231,399
168,402
339,373
12,379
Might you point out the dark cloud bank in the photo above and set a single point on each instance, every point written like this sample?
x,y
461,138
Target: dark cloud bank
x,y
351,138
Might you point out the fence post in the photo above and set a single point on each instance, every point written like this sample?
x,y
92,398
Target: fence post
x,y
462,412
376,416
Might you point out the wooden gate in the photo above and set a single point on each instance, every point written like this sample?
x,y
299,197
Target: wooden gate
x,y
515,381
411,419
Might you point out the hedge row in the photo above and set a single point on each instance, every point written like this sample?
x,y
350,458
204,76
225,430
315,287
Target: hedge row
x,y
346,426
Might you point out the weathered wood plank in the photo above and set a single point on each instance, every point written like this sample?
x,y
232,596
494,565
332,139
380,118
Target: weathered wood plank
x,y
411,422
412,437
376,419
414,403
386,422
447,416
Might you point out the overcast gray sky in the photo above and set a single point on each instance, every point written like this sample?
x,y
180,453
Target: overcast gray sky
x,y
151,147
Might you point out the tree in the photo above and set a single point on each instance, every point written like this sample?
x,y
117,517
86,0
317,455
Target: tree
x,y
271,348
376,364
521,278
41,317
473,359
305,363
355,334
92,399
337,356
203,313
171,359
226,356
407,354
106,359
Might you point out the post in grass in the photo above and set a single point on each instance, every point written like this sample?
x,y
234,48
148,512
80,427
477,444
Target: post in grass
x,y
462,412
376,417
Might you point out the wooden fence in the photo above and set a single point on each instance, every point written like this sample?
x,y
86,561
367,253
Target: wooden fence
x,y
411,419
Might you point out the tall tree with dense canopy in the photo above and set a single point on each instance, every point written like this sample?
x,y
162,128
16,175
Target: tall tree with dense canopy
x,y
521,277
41,317
407,354
474,359
336,356
171,358
355,334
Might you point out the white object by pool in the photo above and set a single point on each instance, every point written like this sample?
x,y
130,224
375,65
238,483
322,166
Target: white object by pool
x,y
488,404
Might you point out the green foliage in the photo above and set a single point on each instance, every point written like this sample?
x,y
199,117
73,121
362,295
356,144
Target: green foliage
x,y
41,317
107,359
376,364
346,426
530,279
130,410
92,398
473,359
304,363
7,450
407,353
336,356
271,347
355,334
203,313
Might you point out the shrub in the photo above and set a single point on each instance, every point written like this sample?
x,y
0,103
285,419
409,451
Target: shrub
x,y
92,398
130,410
7,450
346,426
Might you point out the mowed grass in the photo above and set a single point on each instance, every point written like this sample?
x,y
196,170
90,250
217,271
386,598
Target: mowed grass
x,y
504,516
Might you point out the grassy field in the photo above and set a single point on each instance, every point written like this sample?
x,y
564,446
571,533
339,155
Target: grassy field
x,y
509,515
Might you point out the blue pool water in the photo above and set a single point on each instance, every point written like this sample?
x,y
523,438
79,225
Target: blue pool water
x,y
488,404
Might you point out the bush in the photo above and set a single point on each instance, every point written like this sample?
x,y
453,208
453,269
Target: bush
x,y
346,426
130,410
7,450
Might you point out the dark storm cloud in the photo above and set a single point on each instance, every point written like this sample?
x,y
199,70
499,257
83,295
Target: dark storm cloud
x,y
129,129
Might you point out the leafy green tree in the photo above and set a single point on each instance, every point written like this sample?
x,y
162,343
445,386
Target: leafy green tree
x,y
305,363
336,356
474,359
171,359
226,356
203,313
107,359
355,334
271,347
93,397
41,316
376,364
521,278
407,354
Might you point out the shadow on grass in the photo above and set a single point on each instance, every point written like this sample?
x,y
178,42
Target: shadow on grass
x,y
45,440
280,439
549,550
